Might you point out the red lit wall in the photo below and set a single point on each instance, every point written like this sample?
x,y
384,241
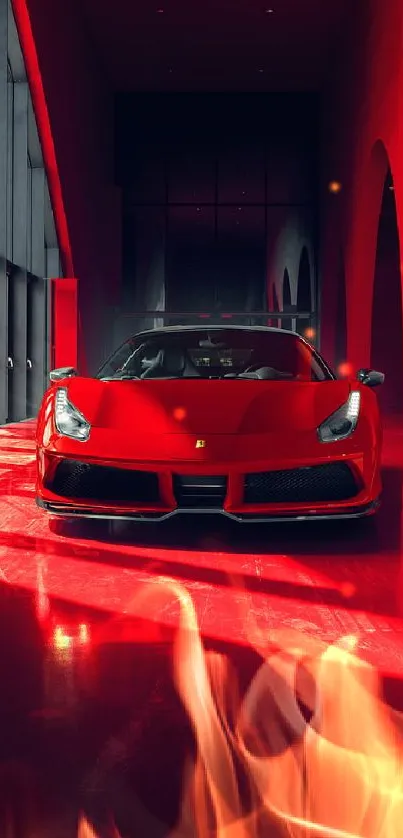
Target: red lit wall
x,y
80,107
64,323
362,135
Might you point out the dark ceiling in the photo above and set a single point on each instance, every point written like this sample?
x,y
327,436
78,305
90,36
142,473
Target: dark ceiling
x,y
218,44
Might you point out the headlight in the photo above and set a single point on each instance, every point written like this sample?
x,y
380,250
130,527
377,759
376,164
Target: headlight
x,y
343,422
68,419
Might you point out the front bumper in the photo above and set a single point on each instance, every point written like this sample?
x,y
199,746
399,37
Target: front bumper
x,y
148,503
64,510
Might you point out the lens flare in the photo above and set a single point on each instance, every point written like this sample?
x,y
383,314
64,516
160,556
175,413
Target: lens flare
x,y
83,634
345,370
347,589
179,414
61,640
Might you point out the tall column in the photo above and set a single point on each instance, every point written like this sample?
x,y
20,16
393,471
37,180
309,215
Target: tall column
x,y
18,278
3,214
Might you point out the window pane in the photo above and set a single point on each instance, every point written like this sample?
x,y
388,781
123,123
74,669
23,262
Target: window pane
x,y
147,179
191,179
29,215
144,258
241,257
10,142
241,177
190,259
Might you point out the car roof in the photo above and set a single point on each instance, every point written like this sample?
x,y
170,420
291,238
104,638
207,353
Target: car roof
x,y
225,327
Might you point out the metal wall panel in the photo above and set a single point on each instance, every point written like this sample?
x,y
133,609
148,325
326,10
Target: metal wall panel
x,y
3,213
37,366
28,242
38,266
52,262
18,321
17,346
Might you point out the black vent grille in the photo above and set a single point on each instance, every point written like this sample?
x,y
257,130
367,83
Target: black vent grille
x,y
73,479
200,491
324,483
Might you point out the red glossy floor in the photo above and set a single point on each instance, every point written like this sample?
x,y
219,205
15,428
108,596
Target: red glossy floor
x,y
87,618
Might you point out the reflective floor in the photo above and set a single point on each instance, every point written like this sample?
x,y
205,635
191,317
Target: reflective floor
x,y
88,618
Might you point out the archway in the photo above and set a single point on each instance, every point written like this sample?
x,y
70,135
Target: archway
x,y
286,322
304,296
387,326
276,306
361,254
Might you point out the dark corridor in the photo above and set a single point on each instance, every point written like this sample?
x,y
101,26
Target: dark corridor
x,y
207,182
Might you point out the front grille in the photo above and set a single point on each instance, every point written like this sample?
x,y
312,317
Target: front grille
x,y
73,479
326,483
199,491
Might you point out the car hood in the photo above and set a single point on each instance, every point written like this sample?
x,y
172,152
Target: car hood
x,y
206,407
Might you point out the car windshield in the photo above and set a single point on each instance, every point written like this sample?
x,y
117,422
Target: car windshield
x,y
223,354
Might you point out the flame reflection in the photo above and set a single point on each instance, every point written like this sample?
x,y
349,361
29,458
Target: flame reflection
x,y
310,749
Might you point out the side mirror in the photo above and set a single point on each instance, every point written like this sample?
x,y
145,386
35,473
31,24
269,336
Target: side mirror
x,y
62,372
371,378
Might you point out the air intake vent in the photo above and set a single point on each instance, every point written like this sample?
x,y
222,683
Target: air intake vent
x,y
199,491
79,480
326,483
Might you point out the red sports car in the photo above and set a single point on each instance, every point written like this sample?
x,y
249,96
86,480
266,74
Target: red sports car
x,y
248,422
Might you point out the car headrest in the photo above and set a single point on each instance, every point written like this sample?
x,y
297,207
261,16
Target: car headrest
x,y
172,359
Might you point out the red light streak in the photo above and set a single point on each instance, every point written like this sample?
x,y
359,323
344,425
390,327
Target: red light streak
x,y
27,41
236,612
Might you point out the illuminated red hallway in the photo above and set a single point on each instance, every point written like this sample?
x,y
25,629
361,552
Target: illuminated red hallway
x,y
170,164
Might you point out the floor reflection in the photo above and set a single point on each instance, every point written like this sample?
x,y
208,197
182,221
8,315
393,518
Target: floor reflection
x,y
87,694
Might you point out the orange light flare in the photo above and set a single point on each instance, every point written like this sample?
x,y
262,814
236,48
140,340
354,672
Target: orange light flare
x,y
84,634
309,333
348,589
334,187
333,769
345,370
61,640
64,638
179,414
